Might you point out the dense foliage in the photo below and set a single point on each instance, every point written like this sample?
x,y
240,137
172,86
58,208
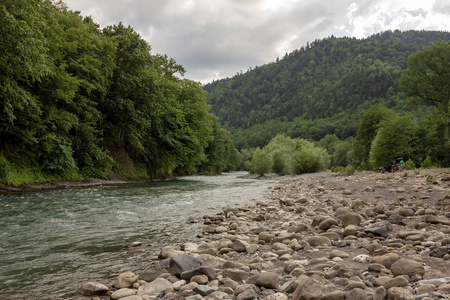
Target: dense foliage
x,y
321,89
77,101
284,155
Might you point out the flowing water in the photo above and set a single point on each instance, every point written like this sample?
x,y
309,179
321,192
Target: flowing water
x,y
53,241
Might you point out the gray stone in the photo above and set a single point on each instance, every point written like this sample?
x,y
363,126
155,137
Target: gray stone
x,y
209,272
407,267
356,294
155,287
398,281
319,241
351,218
380,293
335,295
182,263
386,260
266,279
310,289
379,231
125,280
93,288
204,290
149,276
125,292
327,223
235,274
399,293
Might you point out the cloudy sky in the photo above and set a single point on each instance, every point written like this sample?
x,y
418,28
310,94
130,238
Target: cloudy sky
x,y
214,39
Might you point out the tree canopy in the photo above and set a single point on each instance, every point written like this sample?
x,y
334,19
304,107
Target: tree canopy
x,y
78,101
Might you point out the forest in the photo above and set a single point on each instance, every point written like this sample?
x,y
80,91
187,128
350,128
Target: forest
x,y
77,102
366,101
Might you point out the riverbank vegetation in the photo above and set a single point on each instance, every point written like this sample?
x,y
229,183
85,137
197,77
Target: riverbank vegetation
x,y
366,102
78,101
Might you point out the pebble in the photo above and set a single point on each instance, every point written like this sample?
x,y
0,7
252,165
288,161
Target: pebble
x,y
315,238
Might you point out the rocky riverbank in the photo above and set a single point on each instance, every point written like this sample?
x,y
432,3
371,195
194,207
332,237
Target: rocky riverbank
x,y
367,236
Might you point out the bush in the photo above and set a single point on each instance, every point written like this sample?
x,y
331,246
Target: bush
x,y
349,170
426,164
261,162
410,165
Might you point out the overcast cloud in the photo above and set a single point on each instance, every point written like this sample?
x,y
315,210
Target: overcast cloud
x,y
214,39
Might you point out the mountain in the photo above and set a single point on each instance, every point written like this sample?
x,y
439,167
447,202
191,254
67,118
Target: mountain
x,y
323,88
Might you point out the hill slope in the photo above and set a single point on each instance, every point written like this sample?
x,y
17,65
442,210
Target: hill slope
x,y
323,88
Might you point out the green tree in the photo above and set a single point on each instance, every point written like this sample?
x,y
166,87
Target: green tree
x,y
426,80
393,140
261,162
367,131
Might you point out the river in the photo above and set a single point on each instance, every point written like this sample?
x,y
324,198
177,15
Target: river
x,y
53,241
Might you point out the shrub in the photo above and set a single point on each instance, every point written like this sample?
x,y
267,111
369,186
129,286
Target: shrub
x,y
261,162
426,164
349,170
410,165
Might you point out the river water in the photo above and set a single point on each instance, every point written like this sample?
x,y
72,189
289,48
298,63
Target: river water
x,y
53,241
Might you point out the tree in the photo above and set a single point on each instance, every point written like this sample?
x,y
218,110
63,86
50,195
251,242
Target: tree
x,y
393,140
367,131
426,80
261,162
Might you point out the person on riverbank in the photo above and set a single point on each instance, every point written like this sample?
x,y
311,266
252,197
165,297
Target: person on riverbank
x,y
402,165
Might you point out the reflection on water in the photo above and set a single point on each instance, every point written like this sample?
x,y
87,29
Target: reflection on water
x,y
53,241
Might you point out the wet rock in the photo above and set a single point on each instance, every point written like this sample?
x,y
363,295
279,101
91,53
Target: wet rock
x,y
93,288
183,262
407,267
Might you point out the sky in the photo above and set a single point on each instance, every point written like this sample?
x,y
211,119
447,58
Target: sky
x,y
214,39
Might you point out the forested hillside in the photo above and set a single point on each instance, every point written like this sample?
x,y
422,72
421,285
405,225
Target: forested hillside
x,y
77,101
323,88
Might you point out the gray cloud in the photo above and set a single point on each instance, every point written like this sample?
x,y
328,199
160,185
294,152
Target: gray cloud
x,y
216,39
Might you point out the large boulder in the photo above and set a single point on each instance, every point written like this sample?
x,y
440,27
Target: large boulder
x,y
182,263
